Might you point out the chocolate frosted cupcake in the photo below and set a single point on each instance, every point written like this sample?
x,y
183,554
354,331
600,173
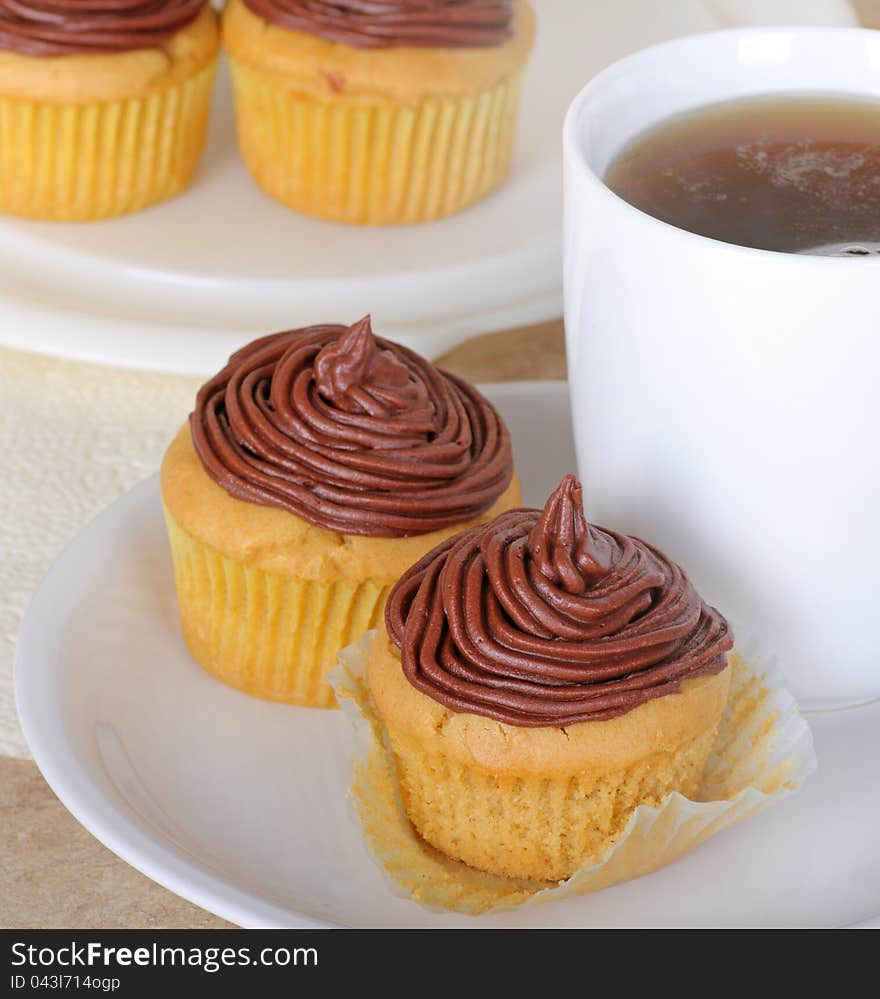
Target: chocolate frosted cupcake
x,y
377,112
539,678
103,105
318,465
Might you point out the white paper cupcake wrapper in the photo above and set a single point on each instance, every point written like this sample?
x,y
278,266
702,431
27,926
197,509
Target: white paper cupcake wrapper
x,y
763,753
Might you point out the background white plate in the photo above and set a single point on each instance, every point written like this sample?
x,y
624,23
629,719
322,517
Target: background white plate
x,y
180,286
240,805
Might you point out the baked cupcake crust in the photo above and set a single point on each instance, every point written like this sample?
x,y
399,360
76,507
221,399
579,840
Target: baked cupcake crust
x,y
313,66
658,726
276,541
84,78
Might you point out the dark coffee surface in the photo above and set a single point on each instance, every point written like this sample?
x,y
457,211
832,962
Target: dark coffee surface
x,y
796,173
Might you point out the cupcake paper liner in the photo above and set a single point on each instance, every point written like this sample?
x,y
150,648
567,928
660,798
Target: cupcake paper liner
x,y
270,635
81,162
763,753
374,162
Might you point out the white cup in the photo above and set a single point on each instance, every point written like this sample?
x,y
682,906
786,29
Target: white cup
x,y
726,400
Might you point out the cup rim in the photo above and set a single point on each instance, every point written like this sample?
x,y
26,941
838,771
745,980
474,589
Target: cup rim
x,y
573,153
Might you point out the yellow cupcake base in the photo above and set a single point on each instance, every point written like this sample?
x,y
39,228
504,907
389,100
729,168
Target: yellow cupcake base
x,y
82,162
270,635
374,162
530,827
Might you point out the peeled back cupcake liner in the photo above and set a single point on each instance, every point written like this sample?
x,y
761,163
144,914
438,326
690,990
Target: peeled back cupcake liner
x,y
89,161
270,635
371,161
762,754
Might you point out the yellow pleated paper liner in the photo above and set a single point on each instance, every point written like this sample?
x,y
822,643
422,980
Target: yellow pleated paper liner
x,y
374,162
81,162
267,634
764,752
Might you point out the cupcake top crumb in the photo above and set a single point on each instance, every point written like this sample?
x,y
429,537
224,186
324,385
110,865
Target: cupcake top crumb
x,y
70,27
88,74
319,67
538,618
389,23
351,433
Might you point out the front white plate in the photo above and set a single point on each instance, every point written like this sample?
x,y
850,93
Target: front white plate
x,y
180,286
240,805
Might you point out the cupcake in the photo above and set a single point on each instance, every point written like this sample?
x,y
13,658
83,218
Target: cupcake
x,y
318,465
382,112
103,105
537,679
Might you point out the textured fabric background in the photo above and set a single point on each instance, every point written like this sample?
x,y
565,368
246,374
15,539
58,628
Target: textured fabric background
x,y
74,438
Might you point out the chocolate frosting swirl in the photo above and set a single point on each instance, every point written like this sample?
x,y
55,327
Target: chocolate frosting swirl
x,y
67,27
538,618
385,23
351,432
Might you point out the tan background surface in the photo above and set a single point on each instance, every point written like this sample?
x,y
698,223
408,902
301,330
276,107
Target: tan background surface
x,y
55,874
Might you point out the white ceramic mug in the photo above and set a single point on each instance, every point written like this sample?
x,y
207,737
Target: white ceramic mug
x,y
726,400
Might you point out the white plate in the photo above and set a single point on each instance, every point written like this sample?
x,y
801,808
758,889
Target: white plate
x,y
240,805
181,285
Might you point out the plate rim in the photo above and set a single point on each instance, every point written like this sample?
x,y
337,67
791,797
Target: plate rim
x,y
202,350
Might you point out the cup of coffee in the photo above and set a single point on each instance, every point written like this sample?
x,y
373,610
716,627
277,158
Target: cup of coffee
x,y
722,312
